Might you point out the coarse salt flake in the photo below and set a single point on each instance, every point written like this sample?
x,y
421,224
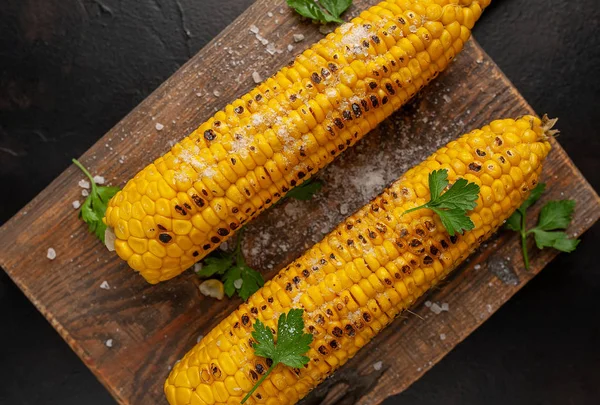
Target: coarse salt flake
x,y
159,126
442,336
378,365
256,77
99,179
197,267
109,343
436,309
271,49
51,254
84,184
344,209
105,285
298,37
238,283
85,193
76,204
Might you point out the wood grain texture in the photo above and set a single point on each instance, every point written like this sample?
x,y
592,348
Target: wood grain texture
x,y
153,326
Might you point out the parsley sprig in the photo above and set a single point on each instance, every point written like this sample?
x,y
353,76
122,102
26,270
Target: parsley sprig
x,y
232,267
451,206
290,349
93,209
324,11
554,218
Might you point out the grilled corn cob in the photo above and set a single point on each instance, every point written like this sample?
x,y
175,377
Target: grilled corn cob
x,y
364,273
247,156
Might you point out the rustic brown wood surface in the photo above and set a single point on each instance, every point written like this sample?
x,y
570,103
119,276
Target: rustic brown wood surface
x,y
152,326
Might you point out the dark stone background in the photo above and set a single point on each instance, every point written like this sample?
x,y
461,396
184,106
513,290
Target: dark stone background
x,y
71,69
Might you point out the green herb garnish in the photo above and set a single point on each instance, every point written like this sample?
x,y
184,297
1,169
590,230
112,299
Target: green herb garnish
x,y
236,274
324,11
93,209
554,218
451,206
290,349
306,191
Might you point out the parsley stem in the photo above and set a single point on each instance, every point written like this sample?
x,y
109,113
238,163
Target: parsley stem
x,y
259,382
416,208
524,241
85,171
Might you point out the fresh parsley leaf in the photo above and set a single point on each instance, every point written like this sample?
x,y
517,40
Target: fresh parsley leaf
x,y
230,277
105,193
306,191
292,342
554,217
94,207
237,276
263,335
291,347
454,220
557,240
451,206
336,7
214,264
250,279
514,221
325,11
462,195
438,181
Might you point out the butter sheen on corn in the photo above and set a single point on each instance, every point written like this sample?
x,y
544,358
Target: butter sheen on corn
x,y
374,265
247,156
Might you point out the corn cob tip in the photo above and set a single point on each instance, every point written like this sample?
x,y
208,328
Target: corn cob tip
x,y
548,125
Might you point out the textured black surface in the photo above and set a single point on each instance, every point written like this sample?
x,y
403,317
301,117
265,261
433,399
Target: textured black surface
x,y
70,69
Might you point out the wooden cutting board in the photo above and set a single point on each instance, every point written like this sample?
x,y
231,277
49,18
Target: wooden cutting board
x,y
150,327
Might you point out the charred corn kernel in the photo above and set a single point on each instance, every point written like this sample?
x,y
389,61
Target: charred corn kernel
x,y
304,116
347,301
